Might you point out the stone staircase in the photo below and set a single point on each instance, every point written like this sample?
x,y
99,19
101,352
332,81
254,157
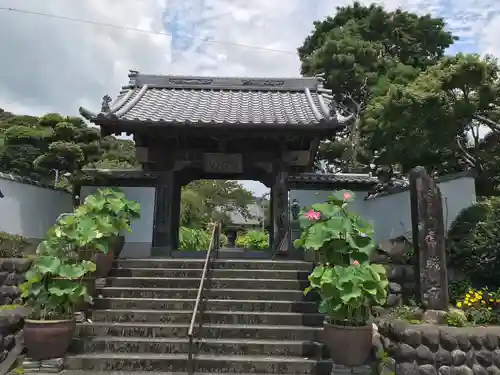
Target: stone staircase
x,y
256,320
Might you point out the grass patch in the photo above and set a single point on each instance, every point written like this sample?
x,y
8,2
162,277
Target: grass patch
x,y
9,307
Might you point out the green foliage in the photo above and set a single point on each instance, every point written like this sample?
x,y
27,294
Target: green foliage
x,y
34,147
480,306
473,242
253,240
457,289
193,239
456,318
14,246
205,201
406,312
436,108
348,284
363,51
55,282
197,239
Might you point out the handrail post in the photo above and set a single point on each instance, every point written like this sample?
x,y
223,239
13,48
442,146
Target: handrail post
x,y
213,247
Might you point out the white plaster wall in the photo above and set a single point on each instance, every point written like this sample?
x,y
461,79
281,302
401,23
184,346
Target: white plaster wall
x,y
307,198
138,243
391,215
30,210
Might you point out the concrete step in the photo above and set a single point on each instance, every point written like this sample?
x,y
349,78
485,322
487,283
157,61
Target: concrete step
x,y
219,283
216,273
211,304
83,372
213,317
265,264
209,331
204,363
191,293
111,344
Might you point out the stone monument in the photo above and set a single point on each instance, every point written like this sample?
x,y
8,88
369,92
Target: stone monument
x,y
428,240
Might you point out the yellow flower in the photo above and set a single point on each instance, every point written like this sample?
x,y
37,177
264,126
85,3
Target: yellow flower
x,y
459,304
483,302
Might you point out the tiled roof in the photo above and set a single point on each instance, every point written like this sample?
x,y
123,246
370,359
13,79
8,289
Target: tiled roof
x,y
339,178
219,100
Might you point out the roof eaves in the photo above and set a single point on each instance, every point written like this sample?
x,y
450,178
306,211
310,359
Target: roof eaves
x,y
441,179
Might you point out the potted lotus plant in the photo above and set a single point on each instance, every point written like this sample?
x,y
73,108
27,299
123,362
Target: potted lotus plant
x,y
56,287
347,283
113,213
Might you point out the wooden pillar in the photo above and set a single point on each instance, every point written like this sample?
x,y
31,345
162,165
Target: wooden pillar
x,y
279,193
163,239
176,214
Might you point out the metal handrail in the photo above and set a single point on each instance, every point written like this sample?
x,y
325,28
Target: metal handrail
x,y
213,246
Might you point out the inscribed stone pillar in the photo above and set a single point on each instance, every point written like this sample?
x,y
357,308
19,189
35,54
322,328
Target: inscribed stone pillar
x,y
281,242
162,225
428,240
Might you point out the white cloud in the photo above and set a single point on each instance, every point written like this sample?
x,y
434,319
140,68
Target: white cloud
x,y
48,64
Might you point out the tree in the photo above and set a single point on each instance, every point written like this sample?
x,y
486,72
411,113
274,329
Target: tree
x,y
116,153
443,112
208,200
362,52
35,147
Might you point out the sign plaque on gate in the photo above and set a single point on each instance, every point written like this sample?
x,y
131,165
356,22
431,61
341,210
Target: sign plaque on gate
x,y
222,163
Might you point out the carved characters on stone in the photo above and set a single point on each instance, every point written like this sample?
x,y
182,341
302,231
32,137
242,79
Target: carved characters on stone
x,y
429,241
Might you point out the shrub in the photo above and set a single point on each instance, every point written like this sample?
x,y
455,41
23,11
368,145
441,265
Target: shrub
x,y
253,240
14,246
481,306
473,243
193,239
197,239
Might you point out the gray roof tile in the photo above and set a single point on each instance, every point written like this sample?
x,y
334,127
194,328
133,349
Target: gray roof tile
x,y
340,178
206,100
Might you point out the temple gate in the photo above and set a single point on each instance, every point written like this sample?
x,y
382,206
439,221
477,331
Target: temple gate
x,y
187,128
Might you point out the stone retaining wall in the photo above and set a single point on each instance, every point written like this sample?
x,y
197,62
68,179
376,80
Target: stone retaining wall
x,y
425,349
12,272
11,342
393,254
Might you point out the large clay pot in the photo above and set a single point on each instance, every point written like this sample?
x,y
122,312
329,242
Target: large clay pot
x,y
116,244
46,339
347,345
103,264
90,284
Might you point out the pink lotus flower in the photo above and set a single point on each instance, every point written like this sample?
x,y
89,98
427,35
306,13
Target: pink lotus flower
x,y
312,215
356,263
347,196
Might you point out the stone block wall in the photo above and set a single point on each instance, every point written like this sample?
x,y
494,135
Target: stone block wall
x,y
11,342
394,255
426,349
12,271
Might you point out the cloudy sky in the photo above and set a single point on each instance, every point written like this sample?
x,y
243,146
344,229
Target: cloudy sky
x,y
55,65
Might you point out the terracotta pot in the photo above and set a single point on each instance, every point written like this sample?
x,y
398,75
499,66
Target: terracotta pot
x,y
116,245
103,264
348,346
46,339
90,284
